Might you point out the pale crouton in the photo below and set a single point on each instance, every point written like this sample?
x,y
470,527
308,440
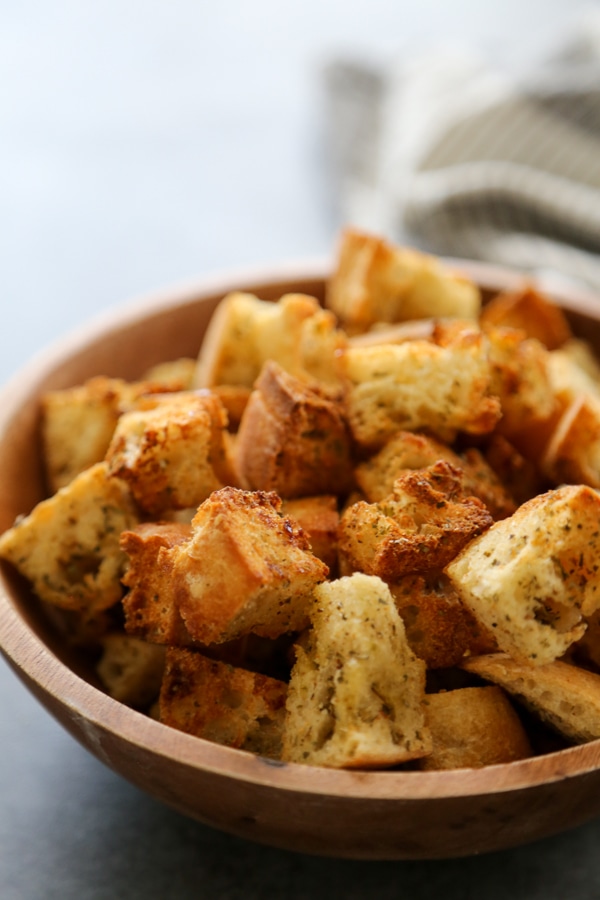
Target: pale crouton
x,y
176,374
319,518
149,604
292,439
130,669
473,727
532,576
246,568
375,281
408,450
245,332
68,546
356,692
581,353
439,628
531,312
572,454
565,697
419,528
222,703
171,453
419,386
78,423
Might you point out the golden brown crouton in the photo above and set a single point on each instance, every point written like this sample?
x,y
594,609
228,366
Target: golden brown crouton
x,y
171,453
130,669
407,451
68,546
319,518
531,312
419,386
521,378
565,697
473,727
375,281
149,605
532,576
419,528
439,628
245,332
292,439
355,698
222,703
78,423
246,568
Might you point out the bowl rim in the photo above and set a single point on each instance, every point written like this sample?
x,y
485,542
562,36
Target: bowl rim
x,y
97,713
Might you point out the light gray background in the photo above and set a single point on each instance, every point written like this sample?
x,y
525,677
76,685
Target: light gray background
x,y
144,143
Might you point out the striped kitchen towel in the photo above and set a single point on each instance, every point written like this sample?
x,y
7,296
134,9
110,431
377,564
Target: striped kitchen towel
x,y
458,159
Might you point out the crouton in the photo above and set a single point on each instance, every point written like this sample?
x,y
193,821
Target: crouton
x,y
246,568
419,386
439,628
530,311
68,546
572,454
171,453
419,528
520,476
222,703
473,727
407,451
533,576
78,423
375,281
176,374
563,696
319,518
292,439
149,604
131,670
355,698
245,332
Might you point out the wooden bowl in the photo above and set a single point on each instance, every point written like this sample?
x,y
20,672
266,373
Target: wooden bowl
x,y
369,815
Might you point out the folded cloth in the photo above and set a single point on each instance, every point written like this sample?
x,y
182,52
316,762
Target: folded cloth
x,y
462,160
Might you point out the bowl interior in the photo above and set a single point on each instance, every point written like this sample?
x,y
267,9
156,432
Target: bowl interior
x,y
409,814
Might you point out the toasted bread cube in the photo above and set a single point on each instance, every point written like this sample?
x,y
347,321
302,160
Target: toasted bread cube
x,y
176,374
563,696
533,576
78,423
419,528
246,568
234,398
68,546
473,727
292,439
439,628
530,311
222,703
172,453
581,353
319,518
356,692
520,476
407,451
419,386
245,332
149,605
572,454
130,669
521,378
375,281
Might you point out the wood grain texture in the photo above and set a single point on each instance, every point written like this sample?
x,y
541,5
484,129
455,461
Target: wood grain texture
x,y
369,815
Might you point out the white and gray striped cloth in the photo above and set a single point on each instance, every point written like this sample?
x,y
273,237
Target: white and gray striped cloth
x,y
462,161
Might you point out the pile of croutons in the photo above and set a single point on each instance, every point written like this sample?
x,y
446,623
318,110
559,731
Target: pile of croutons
x,y
359,536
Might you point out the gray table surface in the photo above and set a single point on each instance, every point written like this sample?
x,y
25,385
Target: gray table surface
x,y
146,143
